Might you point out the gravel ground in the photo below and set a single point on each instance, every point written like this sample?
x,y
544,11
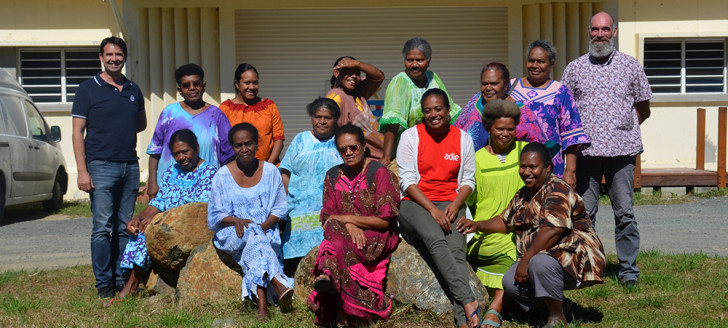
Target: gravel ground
x,y
32,240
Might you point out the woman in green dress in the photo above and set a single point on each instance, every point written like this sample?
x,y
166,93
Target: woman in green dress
x,y
496,181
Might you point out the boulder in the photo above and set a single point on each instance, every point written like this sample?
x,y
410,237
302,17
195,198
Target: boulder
x,y
205,279
158,285
409,281
173,234
303,279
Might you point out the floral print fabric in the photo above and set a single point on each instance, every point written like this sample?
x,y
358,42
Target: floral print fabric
x,y
560,121
358,275
471,121
606,94
177,188
579,251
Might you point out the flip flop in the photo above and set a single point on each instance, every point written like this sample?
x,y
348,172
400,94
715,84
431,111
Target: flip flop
x,y
491,322
477,314
285,300
111,302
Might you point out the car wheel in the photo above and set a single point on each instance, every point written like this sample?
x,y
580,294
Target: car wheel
x,y
56,201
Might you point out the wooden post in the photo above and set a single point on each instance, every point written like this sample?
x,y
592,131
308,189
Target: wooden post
x,y
722,131
700,141
638,172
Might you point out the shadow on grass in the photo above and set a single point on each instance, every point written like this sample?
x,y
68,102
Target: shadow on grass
x,y
611,271
539,315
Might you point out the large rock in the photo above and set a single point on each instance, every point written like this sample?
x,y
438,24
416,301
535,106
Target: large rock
x,y
206,279
409,281
303,279
173,234
157,284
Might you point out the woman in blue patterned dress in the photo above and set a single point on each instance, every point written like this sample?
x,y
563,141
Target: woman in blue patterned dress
x,y
187,181
308,158
246,202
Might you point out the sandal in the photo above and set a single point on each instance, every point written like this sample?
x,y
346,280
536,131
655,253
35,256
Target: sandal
x,y
111,301
491,322
323,285
285,300
477,314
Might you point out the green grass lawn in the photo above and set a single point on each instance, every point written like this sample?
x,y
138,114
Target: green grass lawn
x,y
675,291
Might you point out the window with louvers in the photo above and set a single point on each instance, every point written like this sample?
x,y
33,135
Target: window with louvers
x,y
686,66
52,76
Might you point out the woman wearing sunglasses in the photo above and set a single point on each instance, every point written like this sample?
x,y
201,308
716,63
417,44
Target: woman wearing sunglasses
x,y
360,206
207,122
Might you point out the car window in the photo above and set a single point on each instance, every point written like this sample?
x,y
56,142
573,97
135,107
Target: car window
x,y
36,123
11,113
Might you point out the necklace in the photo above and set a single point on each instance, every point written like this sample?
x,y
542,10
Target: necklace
x,y
353,187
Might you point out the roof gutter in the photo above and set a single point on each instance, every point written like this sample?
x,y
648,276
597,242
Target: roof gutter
x,y
119,19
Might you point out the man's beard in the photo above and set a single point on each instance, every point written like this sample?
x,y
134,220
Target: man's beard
x,y
601,50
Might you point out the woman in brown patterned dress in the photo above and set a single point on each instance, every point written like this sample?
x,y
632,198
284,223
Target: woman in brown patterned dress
x,y
360,204
558,248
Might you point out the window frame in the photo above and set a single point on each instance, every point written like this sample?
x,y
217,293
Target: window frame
x,y
64,85
692,98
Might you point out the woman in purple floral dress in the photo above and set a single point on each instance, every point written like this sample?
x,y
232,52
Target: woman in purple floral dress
x,y
494,81
554,104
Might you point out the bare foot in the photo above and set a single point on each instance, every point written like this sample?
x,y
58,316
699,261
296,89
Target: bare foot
x,y
262,304
262,315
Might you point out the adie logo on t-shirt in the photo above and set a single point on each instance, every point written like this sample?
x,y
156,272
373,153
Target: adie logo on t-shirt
x,y
452,157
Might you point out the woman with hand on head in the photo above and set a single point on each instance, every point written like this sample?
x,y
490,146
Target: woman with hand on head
x,y
555,106
246,202
557,246
189,180
206,121
436,174
350,91
261,113
402,100
360,206
303,169
494,82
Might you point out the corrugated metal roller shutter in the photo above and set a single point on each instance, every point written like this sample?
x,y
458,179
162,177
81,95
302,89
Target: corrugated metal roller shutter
x,y
294,50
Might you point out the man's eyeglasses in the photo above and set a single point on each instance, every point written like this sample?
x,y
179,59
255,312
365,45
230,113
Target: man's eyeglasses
x,y
352,148
188,85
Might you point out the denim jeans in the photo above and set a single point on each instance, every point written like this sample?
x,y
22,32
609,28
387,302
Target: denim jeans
x,y
618,174
112,203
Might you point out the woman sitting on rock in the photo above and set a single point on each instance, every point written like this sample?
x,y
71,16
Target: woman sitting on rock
x,y
436,173
246,202
558,248
360,204
187,181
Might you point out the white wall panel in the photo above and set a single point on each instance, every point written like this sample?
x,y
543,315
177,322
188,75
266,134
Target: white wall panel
x,y
294,49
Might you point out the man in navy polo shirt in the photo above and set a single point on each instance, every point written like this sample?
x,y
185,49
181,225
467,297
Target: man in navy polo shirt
x,y
109,109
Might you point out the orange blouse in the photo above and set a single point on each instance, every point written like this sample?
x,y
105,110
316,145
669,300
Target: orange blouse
x,y
264,116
